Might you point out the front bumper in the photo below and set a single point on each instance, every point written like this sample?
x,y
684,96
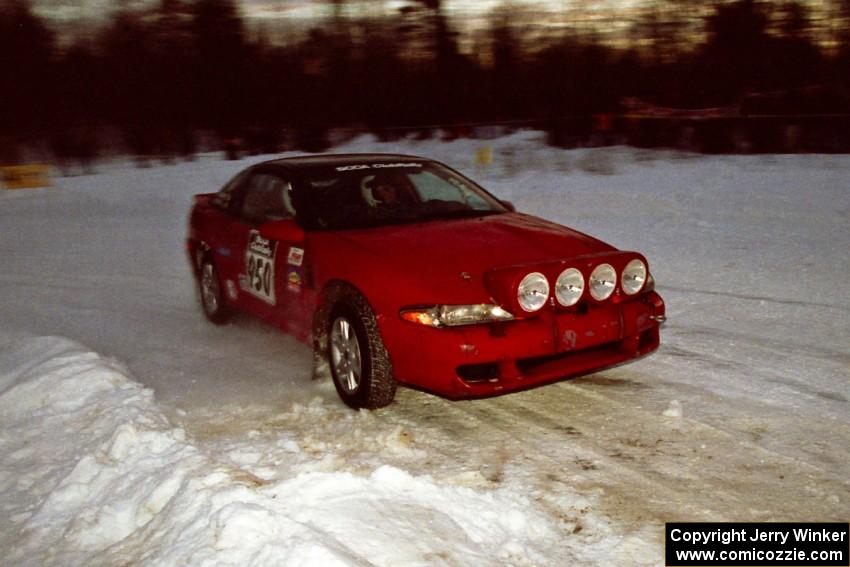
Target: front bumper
x,y
484,360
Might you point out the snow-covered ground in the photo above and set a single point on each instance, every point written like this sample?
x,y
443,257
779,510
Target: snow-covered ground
x,y
181,442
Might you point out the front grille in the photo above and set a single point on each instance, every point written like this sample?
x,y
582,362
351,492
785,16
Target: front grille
x,y
529,365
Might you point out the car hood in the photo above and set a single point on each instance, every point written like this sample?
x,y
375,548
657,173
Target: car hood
x,y
445,256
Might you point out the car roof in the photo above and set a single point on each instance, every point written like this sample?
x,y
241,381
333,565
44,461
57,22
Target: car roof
x,y
342,159
314,162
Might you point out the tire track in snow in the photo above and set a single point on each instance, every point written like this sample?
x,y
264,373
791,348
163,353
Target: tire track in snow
x,y
649,468
778,347
746,297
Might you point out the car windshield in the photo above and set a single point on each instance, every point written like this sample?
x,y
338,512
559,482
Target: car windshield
x,y
380,194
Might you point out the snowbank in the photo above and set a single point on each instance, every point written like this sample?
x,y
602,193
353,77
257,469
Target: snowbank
x,y
93,473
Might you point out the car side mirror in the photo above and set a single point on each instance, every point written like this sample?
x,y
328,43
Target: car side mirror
x,y
508,205
285,230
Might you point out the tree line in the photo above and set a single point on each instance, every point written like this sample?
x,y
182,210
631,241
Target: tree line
x,y
162,75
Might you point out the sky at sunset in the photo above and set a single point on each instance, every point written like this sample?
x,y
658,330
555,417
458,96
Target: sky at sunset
x,y
297,11
287,20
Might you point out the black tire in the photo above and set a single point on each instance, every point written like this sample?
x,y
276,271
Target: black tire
x,y
209,292
375,386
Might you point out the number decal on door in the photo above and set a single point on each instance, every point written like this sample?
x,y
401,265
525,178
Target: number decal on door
x,y
259,267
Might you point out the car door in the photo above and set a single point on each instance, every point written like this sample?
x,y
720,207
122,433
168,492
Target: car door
x,y
253,277
273,283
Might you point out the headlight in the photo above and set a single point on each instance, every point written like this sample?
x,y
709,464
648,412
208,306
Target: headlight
x,y
634,276
569,287
603,279
455,315
533,291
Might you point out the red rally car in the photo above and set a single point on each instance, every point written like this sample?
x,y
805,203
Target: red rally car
x,y
399,269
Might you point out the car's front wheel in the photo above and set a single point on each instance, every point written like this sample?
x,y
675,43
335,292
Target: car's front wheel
x,y
359,362
209,289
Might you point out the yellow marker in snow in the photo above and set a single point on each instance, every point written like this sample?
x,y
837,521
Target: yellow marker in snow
x,y
25,176
484,156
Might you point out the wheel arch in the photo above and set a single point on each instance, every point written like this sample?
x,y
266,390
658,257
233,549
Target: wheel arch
x,y
199,250
202,256
378,384
332,292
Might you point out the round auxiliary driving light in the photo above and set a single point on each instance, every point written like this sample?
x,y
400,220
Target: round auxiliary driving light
x,y
603,279
569,287
533,291
634,276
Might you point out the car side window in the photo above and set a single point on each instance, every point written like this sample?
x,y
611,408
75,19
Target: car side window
x,y
267,198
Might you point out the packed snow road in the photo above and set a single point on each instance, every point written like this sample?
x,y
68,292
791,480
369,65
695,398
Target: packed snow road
x,y
741,415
